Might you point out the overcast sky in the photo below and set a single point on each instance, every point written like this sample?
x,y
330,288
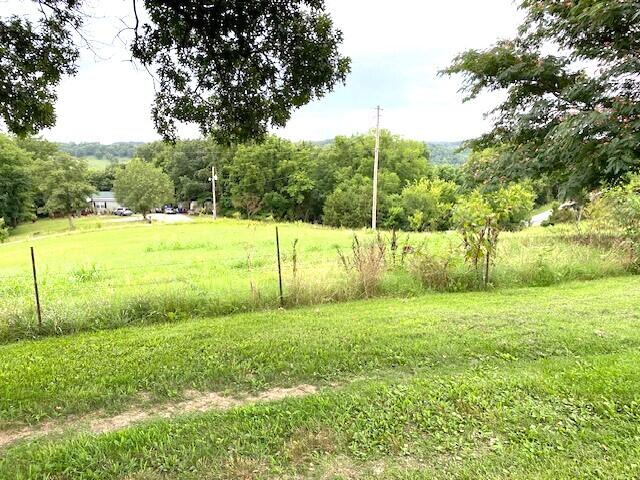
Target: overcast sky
x,y
397,47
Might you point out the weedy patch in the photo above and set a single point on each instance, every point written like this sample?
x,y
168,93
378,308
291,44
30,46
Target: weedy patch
x,y
85,274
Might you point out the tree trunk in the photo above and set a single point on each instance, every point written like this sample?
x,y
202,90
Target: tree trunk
x,y
71,225
487,261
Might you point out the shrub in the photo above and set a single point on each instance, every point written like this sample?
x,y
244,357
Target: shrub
x,y
619,208
4,230
429,203
350,204
478,226
84,274
439,273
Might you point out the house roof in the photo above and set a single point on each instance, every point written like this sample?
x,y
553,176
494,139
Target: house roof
x,y
103,196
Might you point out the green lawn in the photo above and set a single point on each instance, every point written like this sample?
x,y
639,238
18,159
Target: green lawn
x,y
107,274
102,163
515,383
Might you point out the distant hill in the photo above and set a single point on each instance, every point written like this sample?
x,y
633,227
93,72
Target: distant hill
x,y
447,153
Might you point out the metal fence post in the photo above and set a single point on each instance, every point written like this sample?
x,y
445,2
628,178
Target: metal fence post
x,y
35,285
279,268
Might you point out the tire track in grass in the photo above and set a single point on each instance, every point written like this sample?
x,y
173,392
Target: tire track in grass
x,y
196,402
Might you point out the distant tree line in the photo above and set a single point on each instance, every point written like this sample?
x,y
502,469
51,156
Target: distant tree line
x,y
93,149
320,182
328,183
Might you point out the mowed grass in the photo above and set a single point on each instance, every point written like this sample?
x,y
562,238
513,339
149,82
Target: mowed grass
x,y
515,383
80,373
109,273
102,163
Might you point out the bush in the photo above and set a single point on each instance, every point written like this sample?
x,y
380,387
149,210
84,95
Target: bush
x,y
442,274
619,208
4,230
350,204
513,205
429,203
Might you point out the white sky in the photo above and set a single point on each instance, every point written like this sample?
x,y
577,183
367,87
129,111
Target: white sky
x,y
397,47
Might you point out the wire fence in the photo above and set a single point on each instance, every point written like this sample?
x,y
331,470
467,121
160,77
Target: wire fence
x,y
216,273
265,273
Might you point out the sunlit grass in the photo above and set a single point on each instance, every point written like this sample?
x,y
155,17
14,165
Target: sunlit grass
x,y
108,273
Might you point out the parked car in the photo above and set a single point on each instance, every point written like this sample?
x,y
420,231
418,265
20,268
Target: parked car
x,y
170,210
123,212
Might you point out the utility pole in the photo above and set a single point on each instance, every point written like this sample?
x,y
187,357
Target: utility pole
x,y
213,191
374,210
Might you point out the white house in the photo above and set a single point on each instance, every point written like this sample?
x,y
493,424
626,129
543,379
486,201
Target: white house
x,y
103,202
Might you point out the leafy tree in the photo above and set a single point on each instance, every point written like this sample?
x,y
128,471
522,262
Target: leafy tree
x,y
484,170
66,186
43,153
562,118
275,177
449,173
33,58
347,156
102,180
429,203
16,184
480,219
142,186
41,149
233,67
349,205
188,164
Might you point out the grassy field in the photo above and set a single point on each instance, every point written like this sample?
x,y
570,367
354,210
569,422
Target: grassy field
x,y
108,274
513,383
102,163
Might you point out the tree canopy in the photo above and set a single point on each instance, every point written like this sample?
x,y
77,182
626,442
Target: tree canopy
x,y
233,67
16,184
572,108
65,185
141,186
